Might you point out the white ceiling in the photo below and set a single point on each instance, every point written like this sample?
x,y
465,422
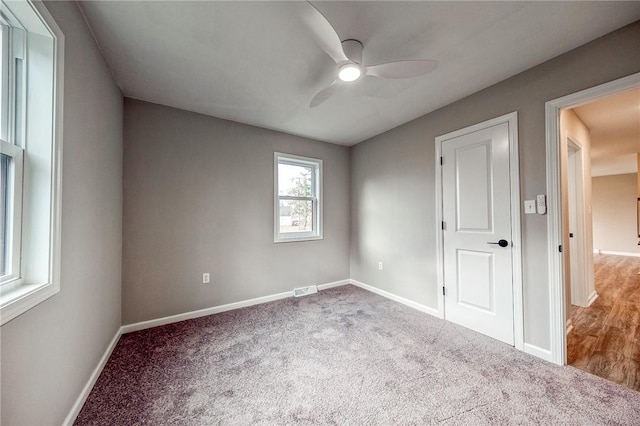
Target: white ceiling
x,y
257,63
614,124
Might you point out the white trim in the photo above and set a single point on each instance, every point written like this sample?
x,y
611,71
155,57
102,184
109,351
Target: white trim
x,y
218,309
569,325
15,303
581,257
439,234
14,192
143,325
399,299
333,284
516,232
538,352
557,330
86,390
617,253
514,175
592,298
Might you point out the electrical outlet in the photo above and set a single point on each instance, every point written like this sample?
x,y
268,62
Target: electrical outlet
x,y
206,278
380,266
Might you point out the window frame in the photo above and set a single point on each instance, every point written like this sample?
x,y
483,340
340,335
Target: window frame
x,y
13,213
316,198
12,130
40,280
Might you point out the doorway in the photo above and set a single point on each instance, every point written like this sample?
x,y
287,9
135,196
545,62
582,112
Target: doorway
x,y
478,213
560,267
579,239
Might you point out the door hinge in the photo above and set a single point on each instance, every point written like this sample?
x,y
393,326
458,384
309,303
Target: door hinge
x,y
444,291
441,161
560,248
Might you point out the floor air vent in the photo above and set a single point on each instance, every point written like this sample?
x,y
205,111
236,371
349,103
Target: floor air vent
x,y
303,291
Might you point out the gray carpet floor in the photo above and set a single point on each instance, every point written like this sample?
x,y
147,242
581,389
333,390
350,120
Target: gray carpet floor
x,y
342,356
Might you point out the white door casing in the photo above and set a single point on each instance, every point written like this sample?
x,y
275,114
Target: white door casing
x,y
478,205
575,196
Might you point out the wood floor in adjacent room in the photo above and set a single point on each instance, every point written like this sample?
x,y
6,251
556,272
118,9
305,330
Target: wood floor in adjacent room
x,y
605,339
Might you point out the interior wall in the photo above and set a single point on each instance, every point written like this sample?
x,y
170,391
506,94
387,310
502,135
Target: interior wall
x,y
49,352
393,177
614,213
198,197
571,127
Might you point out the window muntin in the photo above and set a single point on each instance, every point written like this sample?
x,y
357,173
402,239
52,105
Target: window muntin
x,y
298,198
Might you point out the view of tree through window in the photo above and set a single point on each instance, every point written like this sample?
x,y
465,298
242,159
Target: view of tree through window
x,y
296,215
298,198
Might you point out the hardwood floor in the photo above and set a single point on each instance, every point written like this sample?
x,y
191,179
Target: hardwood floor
x,y
605,339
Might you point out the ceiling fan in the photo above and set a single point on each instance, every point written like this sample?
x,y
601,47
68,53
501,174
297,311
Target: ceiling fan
x,y
347,55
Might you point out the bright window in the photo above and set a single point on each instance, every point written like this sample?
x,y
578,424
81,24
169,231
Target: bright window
x,y
298,198
30,127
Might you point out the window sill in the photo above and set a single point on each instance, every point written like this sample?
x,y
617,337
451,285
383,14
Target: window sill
x,y
14,302
298,239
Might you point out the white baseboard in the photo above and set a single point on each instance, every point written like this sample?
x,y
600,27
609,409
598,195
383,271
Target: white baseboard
x,y
218,309
538,352
569,325
616,253
143,325
333,284
399,299
84,394
592,298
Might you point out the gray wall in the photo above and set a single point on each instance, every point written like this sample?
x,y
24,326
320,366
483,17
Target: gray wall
x,y
615,226
393,176
49,352
198,197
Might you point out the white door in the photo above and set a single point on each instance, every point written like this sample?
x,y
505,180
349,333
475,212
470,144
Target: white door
x,y
477,235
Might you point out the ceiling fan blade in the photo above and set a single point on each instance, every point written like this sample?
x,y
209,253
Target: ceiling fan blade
x,y
402,69
324,94
325,34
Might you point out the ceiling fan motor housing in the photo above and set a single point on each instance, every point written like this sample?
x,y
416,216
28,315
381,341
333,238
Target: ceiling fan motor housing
x,y
353,50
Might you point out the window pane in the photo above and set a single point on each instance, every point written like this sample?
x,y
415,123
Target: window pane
x,y
295,180
296,216
4,214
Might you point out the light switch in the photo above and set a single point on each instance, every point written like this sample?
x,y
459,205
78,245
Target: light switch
x,y
529,206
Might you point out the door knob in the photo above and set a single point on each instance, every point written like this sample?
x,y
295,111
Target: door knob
x,y
501,243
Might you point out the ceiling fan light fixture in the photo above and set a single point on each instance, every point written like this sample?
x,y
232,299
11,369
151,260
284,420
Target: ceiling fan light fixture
x,y
349,72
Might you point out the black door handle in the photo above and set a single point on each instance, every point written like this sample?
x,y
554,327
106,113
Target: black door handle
x,y
501,243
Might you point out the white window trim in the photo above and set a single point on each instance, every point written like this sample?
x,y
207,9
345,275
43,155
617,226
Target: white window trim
x,y
15,221
317,233
17,300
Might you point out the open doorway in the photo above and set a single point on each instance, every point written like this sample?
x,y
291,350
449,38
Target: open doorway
x,y
599,143
602,336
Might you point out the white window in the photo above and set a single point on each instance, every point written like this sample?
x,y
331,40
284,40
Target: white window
x,y
298,198
30,127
